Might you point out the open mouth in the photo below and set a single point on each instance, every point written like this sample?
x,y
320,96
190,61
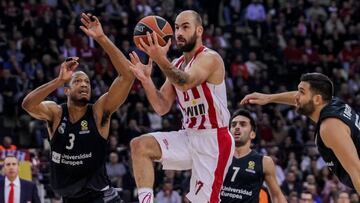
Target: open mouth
x,y
84,92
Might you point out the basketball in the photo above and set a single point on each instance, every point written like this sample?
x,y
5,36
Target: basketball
x,y
151,24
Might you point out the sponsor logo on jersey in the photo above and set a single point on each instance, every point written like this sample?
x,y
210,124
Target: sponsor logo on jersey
x,y
195,109
84,127
347,112
166,143
61,128
251,167
55,157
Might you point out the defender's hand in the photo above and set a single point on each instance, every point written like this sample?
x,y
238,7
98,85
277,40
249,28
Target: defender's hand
x,y
67,68
91,26
141,71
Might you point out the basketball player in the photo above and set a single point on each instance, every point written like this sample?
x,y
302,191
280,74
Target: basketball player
x,y
78,130
249,169
337,134
205,144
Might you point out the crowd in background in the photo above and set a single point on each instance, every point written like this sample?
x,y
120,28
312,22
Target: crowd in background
x,y
266,45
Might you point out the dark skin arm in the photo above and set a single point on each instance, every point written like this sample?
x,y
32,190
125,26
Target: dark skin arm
x,y
34,103
108,103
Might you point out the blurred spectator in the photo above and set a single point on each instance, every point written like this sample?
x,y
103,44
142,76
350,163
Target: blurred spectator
x,y
7,145
167,194
115,170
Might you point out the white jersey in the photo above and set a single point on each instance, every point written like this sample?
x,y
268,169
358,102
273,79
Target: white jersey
x,y
203,106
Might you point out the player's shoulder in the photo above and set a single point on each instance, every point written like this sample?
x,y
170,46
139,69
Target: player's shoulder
x,y
210,53
267,161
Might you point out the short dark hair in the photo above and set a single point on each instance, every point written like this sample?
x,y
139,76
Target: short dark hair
x,y
320,84
245,113
67,83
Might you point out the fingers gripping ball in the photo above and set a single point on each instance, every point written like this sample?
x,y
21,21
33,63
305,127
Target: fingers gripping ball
x,y
151,24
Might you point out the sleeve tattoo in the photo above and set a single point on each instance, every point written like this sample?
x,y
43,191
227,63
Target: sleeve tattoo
x,y
176,76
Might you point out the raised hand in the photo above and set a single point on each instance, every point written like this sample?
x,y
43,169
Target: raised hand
x,y
154,50
91,26
141,71
67,68
256,98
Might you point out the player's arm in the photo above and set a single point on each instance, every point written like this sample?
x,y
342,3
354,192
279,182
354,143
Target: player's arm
x,y
34,102
205,65
161,100
270,179
92,28
262,99
337,136
120,88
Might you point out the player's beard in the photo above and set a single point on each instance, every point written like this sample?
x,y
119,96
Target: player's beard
x,y
242,141
188,46
306,109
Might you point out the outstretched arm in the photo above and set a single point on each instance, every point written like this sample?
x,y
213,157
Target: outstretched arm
x,y
120,88
206,65
270,179
34,102
337,136
161,100
262,99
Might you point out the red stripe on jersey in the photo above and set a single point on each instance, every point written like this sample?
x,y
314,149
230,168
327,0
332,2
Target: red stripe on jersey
x,y
203,119
192,122
179,62
209,99
224,144
200,49
195,93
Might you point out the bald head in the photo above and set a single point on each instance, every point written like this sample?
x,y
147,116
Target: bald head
x,y
195,16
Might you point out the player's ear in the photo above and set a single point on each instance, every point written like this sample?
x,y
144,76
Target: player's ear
x,y
317,99
67,90
252,135
199,30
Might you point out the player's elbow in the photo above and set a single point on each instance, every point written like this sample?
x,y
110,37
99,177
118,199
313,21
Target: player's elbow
x,y
26,104
161,111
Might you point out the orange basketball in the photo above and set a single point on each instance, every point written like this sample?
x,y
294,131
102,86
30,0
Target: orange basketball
x,y
151,24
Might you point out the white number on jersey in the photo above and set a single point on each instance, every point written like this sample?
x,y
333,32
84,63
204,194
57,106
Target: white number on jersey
x,y
236,170
71,141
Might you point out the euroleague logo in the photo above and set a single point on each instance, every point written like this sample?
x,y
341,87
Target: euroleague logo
x,y
140,28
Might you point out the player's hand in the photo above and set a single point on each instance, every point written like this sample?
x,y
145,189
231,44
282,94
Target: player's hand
x,y
91,26
154,50
67,68
141,71
256,98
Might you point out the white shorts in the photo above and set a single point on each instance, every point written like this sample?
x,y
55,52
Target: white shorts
x,y
207,152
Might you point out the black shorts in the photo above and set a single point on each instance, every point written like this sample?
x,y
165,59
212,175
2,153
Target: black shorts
x,y
107,196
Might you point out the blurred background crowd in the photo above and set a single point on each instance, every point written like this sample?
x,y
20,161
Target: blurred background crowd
x,y
266,45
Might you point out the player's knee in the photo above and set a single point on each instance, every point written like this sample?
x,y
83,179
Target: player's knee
x,y
145,146
139,146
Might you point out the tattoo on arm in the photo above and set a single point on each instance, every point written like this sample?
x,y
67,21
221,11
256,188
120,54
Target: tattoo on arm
x,y
176,76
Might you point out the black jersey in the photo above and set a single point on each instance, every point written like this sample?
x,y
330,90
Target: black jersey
x,y
338,109
78,154
243,180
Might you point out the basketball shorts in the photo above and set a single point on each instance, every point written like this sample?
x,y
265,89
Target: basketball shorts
x,y
208,153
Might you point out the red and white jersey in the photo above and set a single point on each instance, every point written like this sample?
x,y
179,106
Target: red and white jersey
x,y
203,106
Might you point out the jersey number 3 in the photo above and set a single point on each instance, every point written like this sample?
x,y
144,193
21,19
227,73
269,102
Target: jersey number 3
x,y
71,141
